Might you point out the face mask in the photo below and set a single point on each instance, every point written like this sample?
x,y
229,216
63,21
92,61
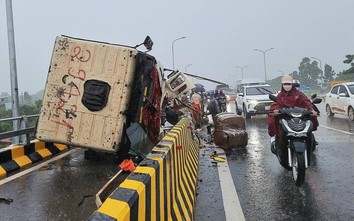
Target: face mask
x,y
287,87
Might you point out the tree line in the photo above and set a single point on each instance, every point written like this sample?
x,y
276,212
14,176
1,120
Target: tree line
x,y
25,109
310,73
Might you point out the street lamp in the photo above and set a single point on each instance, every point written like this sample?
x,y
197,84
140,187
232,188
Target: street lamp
x,y
13,68
185,69
173,53
265,69
320,69
281,72
241,69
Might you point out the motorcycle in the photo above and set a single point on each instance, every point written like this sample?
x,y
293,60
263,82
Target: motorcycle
x,y
222,103
297,142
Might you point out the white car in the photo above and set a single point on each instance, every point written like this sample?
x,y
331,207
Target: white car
x,y
230,95
254,99
340,100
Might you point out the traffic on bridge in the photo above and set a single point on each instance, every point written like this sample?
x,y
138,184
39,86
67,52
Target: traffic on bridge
x,y
119,131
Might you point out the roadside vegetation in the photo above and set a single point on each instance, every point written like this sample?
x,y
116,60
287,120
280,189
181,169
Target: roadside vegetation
x,y
310,73
25,109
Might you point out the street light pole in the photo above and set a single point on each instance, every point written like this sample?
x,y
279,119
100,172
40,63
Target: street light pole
x,y
185,69
320,69
13,69
264,59
241,69
173,53
281,72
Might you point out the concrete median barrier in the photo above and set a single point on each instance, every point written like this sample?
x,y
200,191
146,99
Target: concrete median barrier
x,y
163,186
13,158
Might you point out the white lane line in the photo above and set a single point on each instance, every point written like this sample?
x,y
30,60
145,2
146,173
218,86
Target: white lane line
x,y
232,206
17,175
342,131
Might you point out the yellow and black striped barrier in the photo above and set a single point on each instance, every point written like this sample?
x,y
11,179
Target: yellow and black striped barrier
x,y
163,186
13,158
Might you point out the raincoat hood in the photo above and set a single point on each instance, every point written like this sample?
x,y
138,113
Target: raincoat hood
x,y
293,98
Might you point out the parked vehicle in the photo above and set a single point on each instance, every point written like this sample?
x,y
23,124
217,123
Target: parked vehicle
x,y
254,99
295,147
340,100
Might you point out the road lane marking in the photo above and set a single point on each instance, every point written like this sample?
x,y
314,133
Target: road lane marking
x,y
342,131
232,206
17,175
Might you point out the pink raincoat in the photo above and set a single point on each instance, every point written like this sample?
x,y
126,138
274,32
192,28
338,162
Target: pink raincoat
x,y
292,98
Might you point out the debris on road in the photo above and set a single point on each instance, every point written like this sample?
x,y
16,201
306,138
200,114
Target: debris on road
x,y
6,200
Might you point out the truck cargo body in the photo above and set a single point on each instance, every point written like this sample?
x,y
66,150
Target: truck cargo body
x,y
87,93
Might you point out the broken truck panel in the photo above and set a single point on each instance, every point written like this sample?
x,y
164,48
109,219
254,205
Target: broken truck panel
x,y
95,91
230,131
178,83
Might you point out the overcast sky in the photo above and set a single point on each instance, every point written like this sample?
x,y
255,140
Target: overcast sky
x,y
219,34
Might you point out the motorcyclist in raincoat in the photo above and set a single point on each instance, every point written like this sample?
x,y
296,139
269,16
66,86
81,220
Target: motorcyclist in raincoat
x,y
288,97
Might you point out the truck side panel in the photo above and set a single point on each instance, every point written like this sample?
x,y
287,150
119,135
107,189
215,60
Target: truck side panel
x,y
87,93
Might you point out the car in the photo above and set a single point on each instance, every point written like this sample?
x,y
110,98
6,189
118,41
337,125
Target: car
x,y
222,87
249,81
340,100
230,95
254,99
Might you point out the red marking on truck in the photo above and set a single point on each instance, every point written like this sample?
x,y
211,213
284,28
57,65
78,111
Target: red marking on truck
x,y
81,76
77,52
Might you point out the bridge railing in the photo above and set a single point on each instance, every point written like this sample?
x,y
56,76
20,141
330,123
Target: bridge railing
x,y
22,135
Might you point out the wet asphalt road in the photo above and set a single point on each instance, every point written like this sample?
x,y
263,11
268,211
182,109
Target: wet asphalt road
x,y
267,191
61,190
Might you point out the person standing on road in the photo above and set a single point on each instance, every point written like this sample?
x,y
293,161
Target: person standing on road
x,y
196,101
213,108
288,97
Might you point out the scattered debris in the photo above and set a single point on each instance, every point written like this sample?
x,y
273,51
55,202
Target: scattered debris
x,y
6,200
219,159
127,165
86,196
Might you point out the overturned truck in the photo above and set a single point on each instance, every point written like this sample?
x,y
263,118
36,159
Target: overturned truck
x,y
106,97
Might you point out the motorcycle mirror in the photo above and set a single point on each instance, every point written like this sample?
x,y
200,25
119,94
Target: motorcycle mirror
x,y
313,96
148,43
272,97
296,83
316,100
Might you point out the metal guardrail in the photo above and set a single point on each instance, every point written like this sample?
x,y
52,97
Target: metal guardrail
x,y
23,134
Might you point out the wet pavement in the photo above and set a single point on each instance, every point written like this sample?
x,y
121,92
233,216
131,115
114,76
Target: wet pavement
x,y
64,189
209,205
267,191
61,190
